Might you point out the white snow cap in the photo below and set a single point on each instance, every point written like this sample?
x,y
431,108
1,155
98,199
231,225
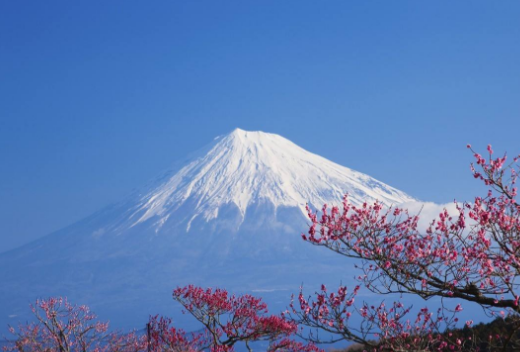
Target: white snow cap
x,y
245,167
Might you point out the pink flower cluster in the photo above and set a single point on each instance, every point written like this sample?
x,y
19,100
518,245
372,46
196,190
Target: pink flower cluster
x,y
228,320
473,255
64,327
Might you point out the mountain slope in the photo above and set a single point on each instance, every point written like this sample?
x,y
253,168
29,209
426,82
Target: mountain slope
x,y
230,215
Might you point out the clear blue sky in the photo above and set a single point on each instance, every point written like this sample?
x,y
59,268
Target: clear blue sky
x,y
97,97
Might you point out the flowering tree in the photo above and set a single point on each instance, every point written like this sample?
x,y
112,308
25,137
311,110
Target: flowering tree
x,y
164,337
473,256
227,320
63,327
381,328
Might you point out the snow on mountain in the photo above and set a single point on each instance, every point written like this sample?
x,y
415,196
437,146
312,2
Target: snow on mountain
x,y
230,215
244,167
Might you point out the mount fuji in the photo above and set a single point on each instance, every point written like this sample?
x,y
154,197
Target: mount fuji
x,y
230,215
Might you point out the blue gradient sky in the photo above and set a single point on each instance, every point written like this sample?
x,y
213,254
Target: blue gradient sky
x,y
97,97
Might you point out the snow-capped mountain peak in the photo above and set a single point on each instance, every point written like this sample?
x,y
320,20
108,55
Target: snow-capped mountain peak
x,y
245,167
